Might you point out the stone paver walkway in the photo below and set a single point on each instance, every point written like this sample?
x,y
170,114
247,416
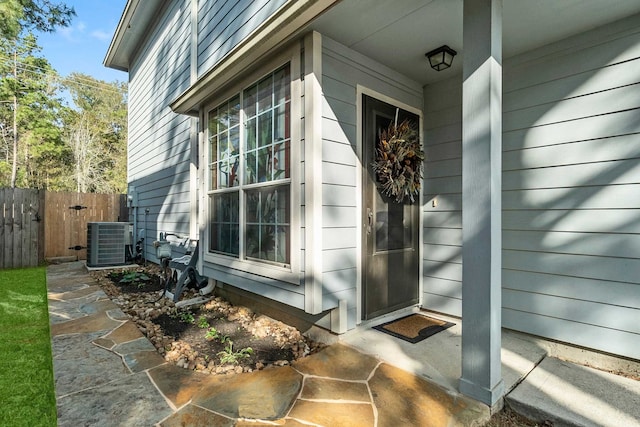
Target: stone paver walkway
x,y
108,374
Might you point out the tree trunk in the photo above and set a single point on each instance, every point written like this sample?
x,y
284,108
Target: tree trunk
x,y
14,167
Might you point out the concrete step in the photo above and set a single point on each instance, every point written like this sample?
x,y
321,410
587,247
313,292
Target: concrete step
x,y
567,394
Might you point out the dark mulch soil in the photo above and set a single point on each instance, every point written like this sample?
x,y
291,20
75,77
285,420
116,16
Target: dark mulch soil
x,y
264,350
507,417
199,337
135,282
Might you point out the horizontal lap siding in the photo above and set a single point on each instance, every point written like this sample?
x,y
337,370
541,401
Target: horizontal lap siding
x,y
571,176
571,179
159,140
342,71
269,288
442,224
223,24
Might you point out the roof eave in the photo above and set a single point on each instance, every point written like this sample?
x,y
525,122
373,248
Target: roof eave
x,y
135,19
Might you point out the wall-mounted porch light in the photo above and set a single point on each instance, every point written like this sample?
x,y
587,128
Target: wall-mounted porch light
x,y
441,58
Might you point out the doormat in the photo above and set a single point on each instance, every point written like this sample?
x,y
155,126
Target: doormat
x,y
414,327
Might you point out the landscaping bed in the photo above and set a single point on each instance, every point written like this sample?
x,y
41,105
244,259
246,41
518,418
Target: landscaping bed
x,y
215,337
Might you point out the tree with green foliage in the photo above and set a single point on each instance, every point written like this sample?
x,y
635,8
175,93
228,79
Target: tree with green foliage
x,y
96,133
32,150
26,90
19,16
42,139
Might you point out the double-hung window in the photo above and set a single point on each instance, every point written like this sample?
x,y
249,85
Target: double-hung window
x,y
250,172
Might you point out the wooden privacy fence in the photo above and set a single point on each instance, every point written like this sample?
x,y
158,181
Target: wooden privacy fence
x,y
38,225
22,228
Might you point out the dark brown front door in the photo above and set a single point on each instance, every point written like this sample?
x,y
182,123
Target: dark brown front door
x,y
390,232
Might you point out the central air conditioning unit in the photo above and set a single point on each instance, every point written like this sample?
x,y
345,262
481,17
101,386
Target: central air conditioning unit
x,y
107,243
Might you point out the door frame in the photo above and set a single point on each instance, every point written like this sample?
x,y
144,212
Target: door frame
x,y
360,91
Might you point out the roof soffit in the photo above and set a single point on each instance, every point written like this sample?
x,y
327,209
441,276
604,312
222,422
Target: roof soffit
x,y
136,18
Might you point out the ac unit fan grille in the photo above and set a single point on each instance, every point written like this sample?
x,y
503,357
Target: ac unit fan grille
x,y
106,243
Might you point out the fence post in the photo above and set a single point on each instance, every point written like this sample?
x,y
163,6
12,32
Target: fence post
x,y
6,203
42,212
22,228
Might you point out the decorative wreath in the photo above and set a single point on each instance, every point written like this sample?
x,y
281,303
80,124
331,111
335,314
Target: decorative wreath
x,y
398,162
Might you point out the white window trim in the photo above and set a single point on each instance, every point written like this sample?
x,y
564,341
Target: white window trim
x,y
291,273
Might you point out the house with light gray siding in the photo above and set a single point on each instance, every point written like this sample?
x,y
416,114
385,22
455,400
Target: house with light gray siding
x,y
254,125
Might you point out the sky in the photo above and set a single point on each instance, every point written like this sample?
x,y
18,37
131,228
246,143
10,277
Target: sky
x,y
82,46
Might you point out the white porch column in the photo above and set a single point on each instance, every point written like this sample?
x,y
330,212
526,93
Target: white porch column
x,y
481,200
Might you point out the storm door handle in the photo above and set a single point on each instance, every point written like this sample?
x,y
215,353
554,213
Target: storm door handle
x,y
369,220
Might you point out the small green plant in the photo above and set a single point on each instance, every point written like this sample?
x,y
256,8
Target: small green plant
x,y
187,317
214,334
203,323
228,356
183,316
135,278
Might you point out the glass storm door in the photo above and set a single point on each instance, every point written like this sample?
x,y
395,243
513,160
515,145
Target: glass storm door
x,y
390,229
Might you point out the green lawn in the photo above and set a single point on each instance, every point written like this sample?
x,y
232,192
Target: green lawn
x,y
27,395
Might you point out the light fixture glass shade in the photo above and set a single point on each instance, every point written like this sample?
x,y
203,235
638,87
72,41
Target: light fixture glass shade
x,y
441,58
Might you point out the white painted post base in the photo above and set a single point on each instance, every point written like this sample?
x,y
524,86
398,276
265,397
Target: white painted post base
x,y
339,318
481,394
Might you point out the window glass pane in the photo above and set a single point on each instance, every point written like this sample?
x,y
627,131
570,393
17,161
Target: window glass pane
x,y
265,129
259,163
224,148
234,167
223,160
234,139
213,141
263,174
282,82
267,137
222,118
265,94
228,159
250,98
213,153
257,166
282,122
268,227
251,133
234,111
233,157
214,175
393,224
281,160
225,228
223,145
223,174
251,167
213,123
